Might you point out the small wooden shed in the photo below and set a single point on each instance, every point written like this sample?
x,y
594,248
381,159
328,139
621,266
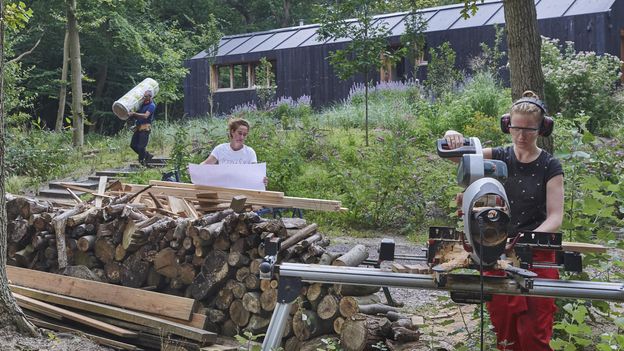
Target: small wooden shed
x,y
300,61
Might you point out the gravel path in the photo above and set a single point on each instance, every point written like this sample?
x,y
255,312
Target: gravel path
x,y
446,323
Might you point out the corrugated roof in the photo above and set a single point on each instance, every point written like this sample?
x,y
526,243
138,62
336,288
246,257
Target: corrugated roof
x,y
438,19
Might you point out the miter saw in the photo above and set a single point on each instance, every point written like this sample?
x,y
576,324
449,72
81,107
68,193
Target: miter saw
x,y
485,243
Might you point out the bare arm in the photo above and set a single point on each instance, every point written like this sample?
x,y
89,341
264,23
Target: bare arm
x,y
554,206
211,160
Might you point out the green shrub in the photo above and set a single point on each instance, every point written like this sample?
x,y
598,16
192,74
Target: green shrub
x,y
441,73
482,97
581,82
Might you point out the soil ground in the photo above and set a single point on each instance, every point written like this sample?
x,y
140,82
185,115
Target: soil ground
x,y
11,341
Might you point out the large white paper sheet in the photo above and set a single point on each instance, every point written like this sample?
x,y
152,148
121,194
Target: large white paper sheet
x,y
242,176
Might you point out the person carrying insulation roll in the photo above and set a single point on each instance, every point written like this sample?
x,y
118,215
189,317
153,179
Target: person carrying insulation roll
x,y
144,118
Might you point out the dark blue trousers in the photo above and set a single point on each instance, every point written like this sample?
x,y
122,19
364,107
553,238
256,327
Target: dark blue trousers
x,y
139,144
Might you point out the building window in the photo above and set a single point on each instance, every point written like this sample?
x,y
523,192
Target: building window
x,y
223,77
398,71
270,82
237,76
392,71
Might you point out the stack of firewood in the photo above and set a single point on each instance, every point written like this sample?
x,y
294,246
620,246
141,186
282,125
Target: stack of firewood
x,y
214,259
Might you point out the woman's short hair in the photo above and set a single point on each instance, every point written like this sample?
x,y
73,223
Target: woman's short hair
x,y
530,103
234,123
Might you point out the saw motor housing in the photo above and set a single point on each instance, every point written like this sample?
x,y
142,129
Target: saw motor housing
x,y
485,207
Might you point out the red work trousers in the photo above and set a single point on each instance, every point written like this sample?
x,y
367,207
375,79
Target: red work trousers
x,y
524,323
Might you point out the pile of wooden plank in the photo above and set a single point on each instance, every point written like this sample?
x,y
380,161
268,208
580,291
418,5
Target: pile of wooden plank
x,y
203,198
113,315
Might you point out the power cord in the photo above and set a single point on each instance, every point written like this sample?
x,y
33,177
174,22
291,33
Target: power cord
x,y
481,222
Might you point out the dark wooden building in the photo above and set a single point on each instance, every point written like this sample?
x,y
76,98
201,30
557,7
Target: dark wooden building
x,y
300,61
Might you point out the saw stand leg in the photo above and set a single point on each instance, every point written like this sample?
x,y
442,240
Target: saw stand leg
x,y
287,292
386,291
389,298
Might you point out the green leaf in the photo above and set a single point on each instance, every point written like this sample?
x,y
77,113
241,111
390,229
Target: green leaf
x,y
582,341
557,344
603,347
591,206
587,137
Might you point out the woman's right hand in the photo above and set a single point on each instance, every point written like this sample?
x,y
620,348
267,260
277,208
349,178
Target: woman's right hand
x,y
454,139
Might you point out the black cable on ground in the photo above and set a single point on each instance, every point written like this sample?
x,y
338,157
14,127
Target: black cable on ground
x,y
481,275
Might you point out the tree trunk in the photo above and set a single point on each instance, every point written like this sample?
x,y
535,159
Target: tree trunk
x,y
76,74
60,114
524,43
10,314
102,77
286,14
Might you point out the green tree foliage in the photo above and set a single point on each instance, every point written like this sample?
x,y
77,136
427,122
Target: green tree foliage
x,y
265,82
122,42
367,49
442,75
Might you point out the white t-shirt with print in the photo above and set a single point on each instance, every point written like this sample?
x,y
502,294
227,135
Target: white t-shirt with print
x,y
225,155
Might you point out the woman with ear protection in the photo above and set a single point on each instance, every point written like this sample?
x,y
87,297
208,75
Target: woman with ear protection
x,y
234,152
534,188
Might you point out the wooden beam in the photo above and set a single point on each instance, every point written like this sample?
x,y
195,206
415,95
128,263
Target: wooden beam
x,y
254,197
176,204
191,212
118,345
74,196
164,325
27,301
198,320
156,201
583,247
276,194
100,191
115,295
84,190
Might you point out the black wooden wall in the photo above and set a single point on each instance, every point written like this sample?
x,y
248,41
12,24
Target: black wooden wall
x,y
307,71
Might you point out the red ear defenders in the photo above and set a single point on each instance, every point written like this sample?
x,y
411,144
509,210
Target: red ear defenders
x,y
547,125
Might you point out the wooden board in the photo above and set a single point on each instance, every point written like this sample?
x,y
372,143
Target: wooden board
x,y
176,204
277,194
101,190
166,326
26,301
254,197
115,295
583,247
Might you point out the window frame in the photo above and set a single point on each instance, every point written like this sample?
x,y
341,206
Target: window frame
x,y
214,77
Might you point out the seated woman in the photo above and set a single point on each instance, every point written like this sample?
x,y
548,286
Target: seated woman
x,y
234,152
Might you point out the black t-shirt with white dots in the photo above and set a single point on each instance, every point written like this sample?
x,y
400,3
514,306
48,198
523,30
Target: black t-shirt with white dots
x,y
526,187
